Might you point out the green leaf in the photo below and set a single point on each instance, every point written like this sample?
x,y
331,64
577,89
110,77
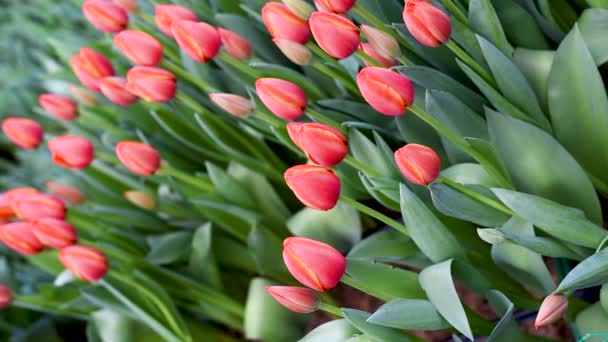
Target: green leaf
x,y
336,330
377,332
229,188
593,320
491,162
267,249
384,281
468,173
234,220
202,264
593,23
414,314
535,65
548,26
384,246
114,327
519,25
366,152
506,329
542,245
169,248
383,190
598,3
590,272
483,19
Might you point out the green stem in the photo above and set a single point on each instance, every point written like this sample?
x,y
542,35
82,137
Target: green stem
x,y
360,166
271,119
319,52
375,214
204,86
243,67
362,287
330,309
197,182
458,51
371,19
349,84
599,185
405,61
313,114
456,11
367,59
477,196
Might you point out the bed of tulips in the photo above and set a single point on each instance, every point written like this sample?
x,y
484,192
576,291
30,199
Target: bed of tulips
x,y
220,170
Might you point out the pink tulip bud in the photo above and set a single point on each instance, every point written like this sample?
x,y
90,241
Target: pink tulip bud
x,y
336,35
551,310
281,22
383,43
23,132
151,83
6,296
87,263
90,66
283,98
301,8
72,151
142,199
9,197
296,52
60,106
165,15
130,6
83,95
297,299
313,263
335,6
322,144
428,24
233,104
418,164
19,236
54,233
237,46
388,92
38,205
139,158
315,186
66,192
5,208
200,41
369,50
139,47
105,16
115,89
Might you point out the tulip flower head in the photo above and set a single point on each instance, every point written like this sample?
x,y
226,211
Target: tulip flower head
x,y
130,6
5,208
281,22
115,89
383,43
336,35
418,164
83,95
315,186
295,52
66,192
142,199
139,47
23,132
200,41
369,50
19,236
388,92
139,158
86,263
6,296
334,6
90,66
322,144
38,205
233,104
106,16
237,46
165,15
151,83
283,98
54,233
552,309
428,24
72,151
296,299
59,106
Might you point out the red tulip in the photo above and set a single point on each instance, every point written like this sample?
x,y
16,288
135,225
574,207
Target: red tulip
x,y
296,52
72,151
151,83
129,5
315,186
66,192
139,47
297,299
336,35
369,50
38,205
60,106
138,157
16,193
166,14
418,164
87,263
237,46
9,197
105,16
200,41
551,310
142,199
335,6
19,237
428,24
388,92
83,95
283,98
5,208
383,43
25,133
313,263
90,66
6,296
54,233
323,144
281,22
114,88
233,104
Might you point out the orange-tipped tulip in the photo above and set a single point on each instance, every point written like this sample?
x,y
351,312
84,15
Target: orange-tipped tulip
x,y
66,192
130,6
369,50
384,44
83,95
142,199
322,144
283,98
72,151
233,104
336,35
6,296
10,197
281,22
200,41
15,193
138,157
115,89
297,299
87,263
105,16
25,133
551,310
428,24
335,6
90,66
38,205
418,164
296,52
54,233
388,92
315,186
165,15
313,263
5,208
237,46
19,236
139,47
60,106
151,83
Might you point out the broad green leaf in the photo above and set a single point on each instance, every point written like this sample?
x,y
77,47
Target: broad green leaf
x,y
384,281
466,37
383,190
491,162
542,245
234,220
336,330
377,332
384,246
558,11
356,110
366,152
535,65
414,314
598,3
519,25
113,327
549,27
592,321
590,272
483,19
267,249
229,188
468,173
169,248
202,264
593,23
506,329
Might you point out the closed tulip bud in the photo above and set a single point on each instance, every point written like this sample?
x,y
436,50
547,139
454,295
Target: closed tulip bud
x,y
23,132
296,52
139,158
322,144
384,44
165,15
90,66
5,208
72,151
428,24
105,16
83,95
313,263
200,41
130,6
142,199
418,164
139,47
38,205
151,83
300,8
388,92
6,296
237,46
283,98
19,236
297,299
335,6
66,192
281,22
317,187
9,197
54,233
86,263
60,106
369,50
551,310
233,104
14,194
115,89
336,35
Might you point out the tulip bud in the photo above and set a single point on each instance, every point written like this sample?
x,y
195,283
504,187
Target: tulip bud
x,y
200,41
114,88
297,299
5,208
388,92
384,44
105,16
19,236
142,199
166,14
237,46
139,47
300,8
83,95
23,132
87,263
551,310
66,192
313,263
15,193
233,104
129,5
335,6
38,205
6,296
54,233
296,52
336,35
418,164
139,158
60,106
369,50
322,144
72,151
428,24
315,186
281,22
283,98
90,66
151,83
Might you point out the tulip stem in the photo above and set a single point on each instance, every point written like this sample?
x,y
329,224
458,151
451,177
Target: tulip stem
x,y
319,52
331,309
197,182
361,167
460,53
331,73
313,114
371,19
375,214
367,59
455,11
189,77
243,67
477,196
405,61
